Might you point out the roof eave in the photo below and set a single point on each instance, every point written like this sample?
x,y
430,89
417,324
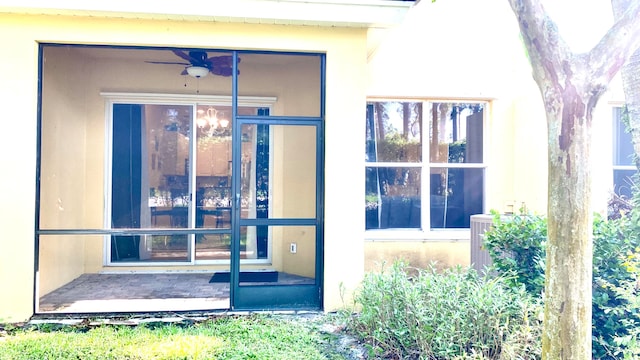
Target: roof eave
x,y
347,13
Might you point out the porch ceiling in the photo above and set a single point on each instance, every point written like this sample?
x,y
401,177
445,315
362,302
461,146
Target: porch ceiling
x,y
340,13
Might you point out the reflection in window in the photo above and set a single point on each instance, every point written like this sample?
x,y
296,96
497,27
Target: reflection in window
x,y
455,195
393,197
455,133
395,172
394,132
623,166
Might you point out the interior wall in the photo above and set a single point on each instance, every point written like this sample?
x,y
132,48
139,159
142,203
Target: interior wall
x,y
296,178
62,201
289,76
294,195
298,190
64,120
302,262
61,260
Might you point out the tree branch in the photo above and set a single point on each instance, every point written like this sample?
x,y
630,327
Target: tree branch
x,y
547,49
615,47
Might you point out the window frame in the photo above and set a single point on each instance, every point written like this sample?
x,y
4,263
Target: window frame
x,y
616,123
111,98
425,232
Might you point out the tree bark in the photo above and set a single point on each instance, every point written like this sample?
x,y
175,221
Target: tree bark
x,y
570,85
631,84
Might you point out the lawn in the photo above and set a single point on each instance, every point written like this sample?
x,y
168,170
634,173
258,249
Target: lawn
x,y
220,337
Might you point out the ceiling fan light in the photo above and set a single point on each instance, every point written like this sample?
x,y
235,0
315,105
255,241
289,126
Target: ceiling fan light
x,y
197,71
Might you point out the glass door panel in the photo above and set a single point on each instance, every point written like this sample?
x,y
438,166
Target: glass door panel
x,y
150,170
213,247
213,181
213,167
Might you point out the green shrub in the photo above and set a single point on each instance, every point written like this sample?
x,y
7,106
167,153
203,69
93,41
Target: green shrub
x,y
616,314
516,246
453,314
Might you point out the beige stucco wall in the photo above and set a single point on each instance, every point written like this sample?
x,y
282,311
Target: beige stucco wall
x,y
345,49
17,158
420,254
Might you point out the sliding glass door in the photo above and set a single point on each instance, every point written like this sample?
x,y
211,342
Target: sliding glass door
x,y
149,181
166,177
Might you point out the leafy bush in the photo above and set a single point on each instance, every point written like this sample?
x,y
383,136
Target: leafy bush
x,y
517,246
456,314
616,314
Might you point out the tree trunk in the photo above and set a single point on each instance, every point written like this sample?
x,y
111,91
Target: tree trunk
x,y
380,113
571,85
567,315
631,84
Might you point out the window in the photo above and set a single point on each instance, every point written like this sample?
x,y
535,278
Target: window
x,y
623,166
420,152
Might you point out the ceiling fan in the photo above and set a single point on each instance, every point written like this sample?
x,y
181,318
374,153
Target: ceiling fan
x,y
199,64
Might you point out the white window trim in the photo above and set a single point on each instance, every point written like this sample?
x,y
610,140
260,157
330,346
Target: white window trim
x,y
429,234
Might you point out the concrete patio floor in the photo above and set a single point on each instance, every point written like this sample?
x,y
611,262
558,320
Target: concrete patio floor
x,y
141,292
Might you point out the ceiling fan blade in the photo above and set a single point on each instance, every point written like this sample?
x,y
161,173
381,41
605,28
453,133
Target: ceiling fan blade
x,y
167,62
222,71
221,65
183,55
194,57
224,60
217,65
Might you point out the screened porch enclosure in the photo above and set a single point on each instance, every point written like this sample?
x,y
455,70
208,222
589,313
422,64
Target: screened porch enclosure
x,y
160,191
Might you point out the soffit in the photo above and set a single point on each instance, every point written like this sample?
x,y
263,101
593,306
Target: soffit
x,y
345,13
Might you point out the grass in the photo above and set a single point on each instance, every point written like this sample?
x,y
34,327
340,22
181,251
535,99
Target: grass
x,y
225,337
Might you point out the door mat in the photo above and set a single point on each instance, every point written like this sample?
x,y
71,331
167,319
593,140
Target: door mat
x,y
246,276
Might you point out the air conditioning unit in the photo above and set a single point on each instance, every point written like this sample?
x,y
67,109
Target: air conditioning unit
x,y
479,256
